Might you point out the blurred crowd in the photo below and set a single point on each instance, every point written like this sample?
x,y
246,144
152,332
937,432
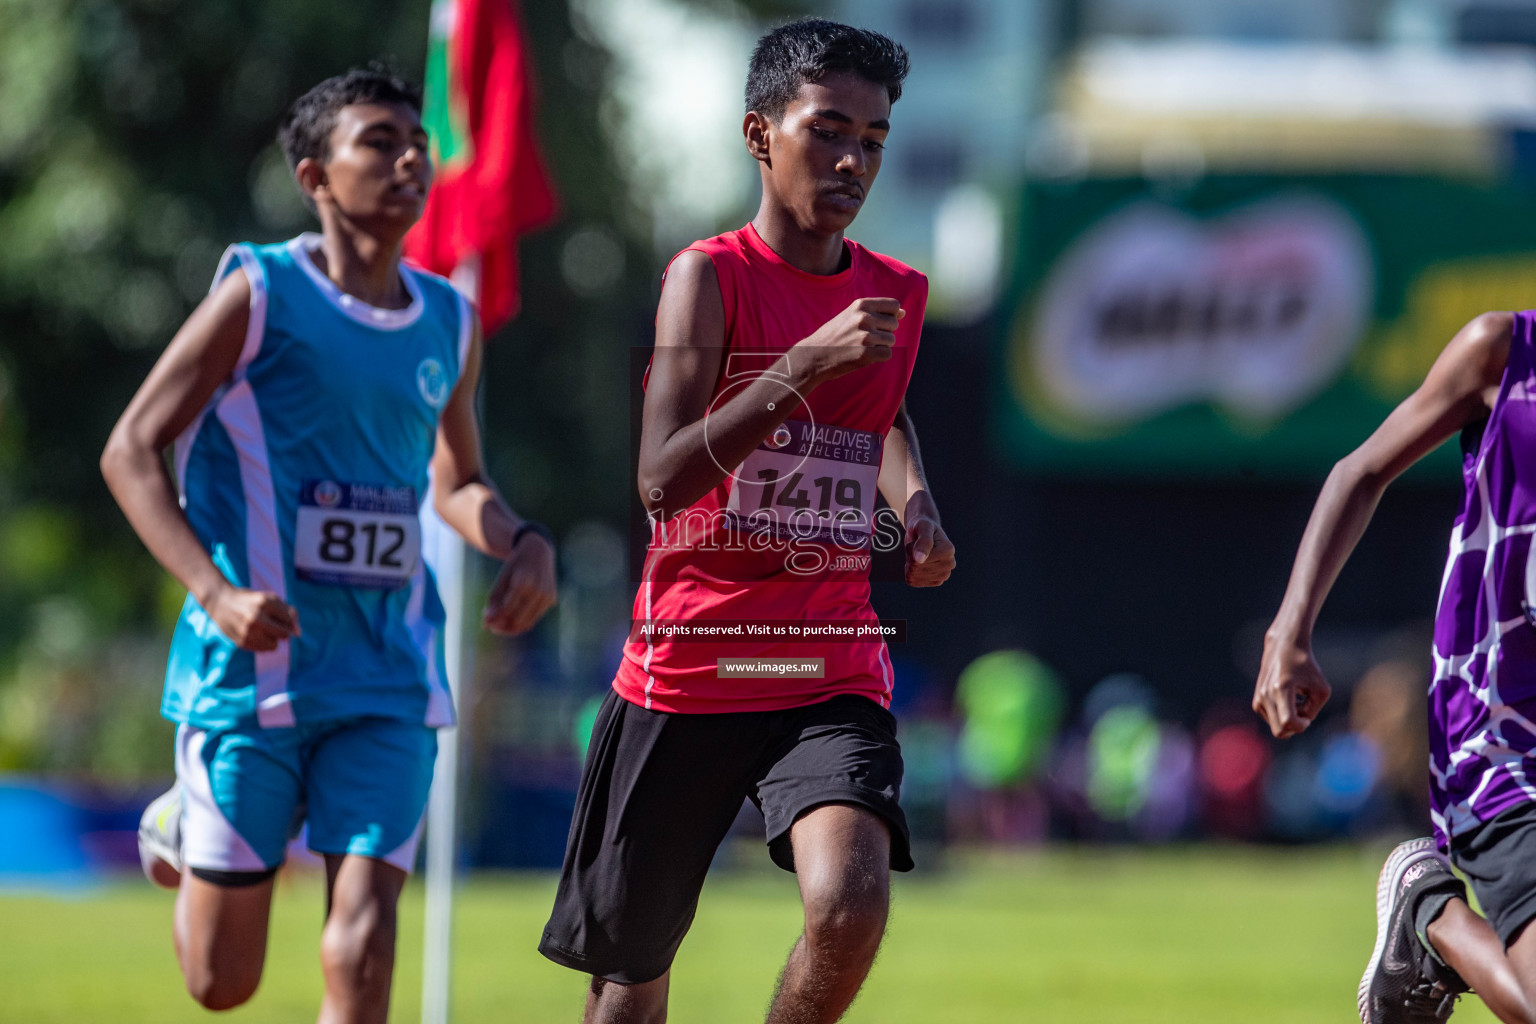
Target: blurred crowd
x,y
1009,756
1013,766
1012,757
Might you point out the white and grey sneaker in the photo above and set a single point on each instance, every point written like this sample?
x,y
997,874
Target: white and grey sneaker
x,y
1404,983
160,839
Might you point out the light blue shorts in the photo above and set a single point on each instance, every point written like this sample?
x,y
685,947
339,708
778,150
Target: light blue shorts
x,y
361,784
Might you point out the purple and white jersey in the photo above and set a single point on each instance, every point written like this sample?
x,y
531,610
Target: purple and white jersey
x,y
1482,701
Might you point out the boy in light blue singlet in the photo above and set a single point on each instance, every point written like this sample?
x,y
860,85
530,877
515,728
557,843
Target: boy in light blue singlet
x,y
314,399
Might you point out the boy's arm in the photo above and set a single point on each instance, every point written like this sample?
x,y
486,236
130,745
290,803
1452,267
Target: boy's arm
x,y
1460,388
686,447
930,553
199,358
526,586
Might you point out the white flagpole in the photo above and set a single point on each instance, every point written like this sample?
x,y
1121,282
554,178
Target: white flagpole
x,y
442,805
449,561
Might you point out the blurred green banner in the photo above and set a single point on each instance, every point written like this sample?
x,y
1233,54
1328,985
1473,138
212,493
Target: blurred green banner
x,y
1246,325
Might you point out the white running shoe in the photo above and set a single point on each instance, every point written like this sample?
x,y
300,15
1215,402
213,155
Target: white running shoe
x,y
160,839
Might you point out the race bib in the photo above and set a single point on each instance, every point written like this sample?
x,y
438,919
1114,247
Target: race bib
x,y
356,535
810,481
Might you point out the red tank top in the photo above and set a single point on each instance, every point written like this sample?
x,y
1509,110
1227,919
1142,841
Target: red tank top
x,y
705,568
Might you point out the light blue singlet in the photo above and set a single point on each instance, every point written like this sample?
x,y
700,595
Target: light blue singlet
x,y
303,476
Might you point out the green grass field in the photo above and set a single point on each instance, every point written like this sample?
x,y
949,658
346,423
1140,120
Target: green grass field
x,y
1195,936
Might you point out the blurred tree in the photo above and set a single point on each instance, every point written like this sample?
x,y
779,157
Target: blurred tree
x,y
560,374
136,143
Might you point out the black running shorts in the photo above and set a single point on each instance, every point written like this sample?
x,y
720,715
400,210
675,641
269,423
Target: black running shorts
x,y
1499,859
658,794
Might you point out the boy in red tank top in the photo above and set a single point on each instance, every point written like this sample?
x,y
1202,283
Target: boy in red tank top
x,y
774,412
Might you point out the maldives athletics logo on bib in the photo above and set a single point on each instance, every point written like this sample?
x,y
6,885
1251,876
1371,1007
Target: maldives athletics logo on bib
x,y
432,382
328,494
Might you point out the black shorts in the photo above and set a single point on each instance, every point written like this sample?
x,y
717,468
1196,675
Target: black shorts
x,y
1499,859
658,794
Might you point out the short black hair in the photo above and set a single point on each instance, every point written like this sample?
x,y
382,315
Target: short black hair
x,y
805,50
305,131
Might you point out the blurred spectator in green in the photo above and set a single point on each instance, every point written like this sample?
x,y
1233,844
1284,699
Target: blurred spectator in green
x,y
1122,753
1010,705
1139,771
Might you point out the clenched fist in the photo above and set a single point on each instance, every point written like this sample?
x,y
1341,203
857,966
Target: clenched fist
x,y
859,335
1291,689
254,619
524,589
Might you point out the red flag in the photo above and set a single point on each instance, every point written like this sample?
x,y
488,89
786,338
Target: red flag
x,y
490,185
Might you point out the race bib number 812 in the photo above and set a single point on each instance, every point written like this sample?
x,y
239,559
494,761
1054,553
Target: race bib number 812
x,y
356,535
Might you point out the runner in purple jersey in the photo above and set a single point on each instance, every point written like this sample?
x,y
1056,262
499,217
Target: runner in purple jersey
x,y
1430,945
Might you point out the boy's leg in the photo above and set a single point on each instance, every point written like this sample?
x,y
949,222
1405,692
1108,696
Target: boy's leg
x,y
1496,956
238,798
609,1002
842,860
829,802
1504,982
357,947
366,782
658,793
221,938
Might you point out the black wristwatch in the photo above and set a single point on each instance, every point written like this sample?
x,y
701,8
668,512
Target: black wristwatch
x,y
529,526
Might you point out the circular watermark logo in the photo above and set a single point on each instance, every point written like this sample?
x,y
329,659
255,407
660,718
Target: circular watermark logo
x,y
781,437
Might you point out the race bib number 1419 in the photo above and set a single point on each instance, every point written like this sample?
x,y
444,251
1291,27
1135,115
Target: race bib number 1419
x,y
356,535
812,481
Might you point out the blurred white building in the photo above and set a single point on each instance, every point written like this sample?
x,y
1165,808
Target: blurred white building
x,y
1178,107
1433,22
1234,19
980,70
1005,89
